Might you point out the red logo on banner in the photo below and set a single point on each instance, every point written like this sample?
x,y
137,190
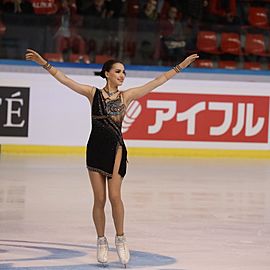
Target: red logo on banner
x,y
198,117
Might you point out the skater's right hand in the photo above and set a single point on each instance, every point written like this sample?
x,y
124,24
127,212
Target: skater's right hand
x,y
35,57
190,59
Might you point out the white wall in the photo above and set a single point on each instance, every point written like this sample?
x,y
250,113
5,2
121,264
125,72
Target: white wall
x,y
58,116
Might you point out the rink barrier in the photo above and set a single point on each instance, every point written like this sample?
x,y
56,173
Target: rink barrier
x,y
138,151
244,93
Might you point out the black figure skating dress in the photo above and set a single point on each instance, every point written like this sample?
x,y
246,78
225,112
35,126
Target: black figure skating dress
x,y
106,136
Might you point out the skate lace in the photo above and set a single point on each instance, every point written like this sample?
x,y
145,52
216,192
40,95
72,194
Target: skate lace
x,y
102,241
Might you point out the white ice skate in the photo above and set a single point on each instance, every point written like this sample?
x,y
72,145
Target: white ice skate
x,y
102,250
122,249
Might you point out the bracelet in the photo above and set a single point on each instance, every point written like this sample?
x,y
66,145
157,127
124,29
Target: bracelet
x,y
47,66
177,68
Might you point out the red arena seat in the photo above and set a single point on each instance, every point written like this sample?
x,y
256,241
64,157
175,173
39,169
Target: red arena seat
x,y
207,42
62,44
54,57
258,17
231,43
255,44
204,63
129,48
252,65
78,58
101,58
78,45
227,64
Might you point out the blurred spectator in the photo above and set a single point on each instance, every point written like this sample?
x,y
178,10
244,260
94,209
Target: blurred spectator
x,y
177,3
97,8
100,8
67,39
162,6
96,16
65,12
195,11
149,10
17,6
114,8
172,36
148,16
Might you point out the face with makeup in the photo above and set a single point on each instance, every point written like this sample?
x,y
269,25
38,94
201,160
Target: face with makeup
x,y
116,75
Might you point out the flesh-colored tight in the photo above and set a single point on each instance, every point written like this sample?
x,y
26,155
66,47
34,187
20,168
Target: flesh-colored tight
x,y
98,183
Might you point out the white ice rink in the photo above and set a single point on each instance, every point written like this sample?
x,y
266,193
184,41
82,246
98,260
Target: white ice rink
x,y
181,214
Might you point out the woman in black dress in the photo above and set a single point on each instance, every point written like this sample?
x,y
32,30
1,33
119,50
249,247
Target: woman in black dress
x,y
106,150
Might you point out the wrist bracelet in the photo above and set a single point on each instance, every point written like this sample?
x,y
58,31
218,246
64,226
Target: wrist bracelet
x,y
177,68
47,66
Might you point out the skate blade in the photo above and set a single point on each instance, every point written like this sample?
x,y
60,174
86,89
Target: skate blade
x,y
104,264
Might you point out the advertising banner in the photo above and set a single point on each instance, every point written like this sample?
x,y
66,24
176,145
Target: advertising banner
x,y
191,114
198,117
14,111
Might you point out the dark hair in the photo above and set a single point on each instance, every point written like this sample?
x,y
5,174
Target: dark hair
x,y
107,66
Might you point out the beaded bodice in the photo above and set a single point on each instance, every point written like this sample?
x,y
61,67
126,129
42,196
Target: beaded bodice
x,y
115,106
112,107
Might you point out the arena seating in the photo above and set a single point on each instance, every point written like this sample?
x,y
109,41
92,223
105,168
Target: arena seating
x,y
227,64
204,63
252,66
255,44
258,17
231,43
78,58
207,42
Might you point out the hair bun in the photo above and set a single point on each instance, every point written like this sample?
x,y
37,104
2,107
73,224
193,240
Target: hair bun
x,y
100,73
107,67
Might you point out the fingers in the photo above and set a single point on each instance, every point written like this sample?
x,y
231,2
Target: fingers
x,y
30,50
190,59
29,56
195,55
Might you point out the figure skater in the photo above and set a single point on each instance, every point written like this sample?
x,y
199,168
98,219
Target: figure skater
x,y
106,155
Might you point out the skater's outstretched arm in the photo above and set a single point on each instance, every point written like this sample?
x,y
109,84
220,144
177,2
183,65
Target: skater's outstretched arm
x,y
82,89
137,92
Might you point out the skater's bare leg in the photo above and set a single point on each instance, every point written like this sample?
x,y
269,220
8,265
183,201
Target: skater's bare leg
x,y
114,188
98,183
